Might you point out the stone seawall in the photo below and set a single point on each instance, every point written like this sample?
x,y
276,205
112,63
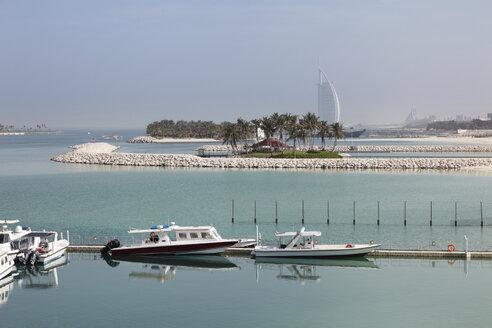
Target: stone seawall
x,y
192,161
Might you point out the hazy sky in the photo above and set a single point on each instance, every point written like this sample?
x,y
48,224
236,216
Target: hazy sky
x,y
127,63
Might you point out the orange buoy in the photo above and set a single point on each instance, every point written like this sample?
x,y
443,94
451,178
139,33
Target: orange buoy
x,y
451,248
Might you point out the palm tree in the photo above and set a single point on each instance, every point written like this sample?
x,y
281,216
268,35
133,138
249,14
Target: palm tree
x,y
230,134
337,132
293,129
244,128
311,123
269,128
323,131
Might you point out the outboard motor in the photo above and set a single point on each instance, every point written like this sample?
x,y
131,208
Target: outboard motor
x,y
114,243
34,257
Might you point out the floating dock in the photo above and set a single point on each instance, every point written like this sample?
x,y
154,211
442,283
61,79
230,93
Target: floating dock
x,y
246,252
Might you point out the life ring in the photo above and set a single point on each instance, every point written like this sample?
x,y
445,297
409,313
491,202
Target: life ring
x,y
451,262
152,235
349,246
451,248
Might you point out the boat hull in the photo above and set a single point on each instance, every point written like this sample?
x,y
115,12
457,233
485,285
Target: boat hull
x,y
6,270
318,251
52,256
177,249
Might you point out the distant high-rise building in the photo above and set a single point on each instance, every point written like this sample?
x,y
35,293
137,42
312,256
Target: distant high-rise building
x,y
328,104
489,116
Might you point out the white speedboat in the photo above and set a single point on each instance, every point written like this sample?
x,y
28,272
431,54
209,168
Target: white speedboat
x,y
16,240
6,263
303,244
186,240
47,247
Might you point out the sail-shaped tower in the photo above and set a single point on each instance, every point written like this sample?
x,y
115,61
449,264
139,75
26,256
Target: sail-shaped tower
x,y
328,104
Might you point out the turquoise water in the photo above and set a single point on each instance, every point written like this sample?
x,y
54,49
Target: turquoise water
x,y
87,292
97,203
100,202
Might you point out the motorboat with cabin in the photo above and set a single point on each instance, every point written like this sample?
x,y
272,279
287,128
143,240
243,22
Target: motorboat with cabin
x,y
6,263
16,240
46,249
186,240
29,246
303,244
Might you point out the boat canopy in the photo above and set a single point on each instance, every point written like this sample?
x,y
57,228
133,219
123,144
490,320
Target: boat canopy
x,y
9,221
172,227
300,233
41,234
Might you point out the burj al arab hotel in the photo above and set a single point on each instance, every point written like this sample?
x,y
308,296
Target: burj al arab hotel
x,y
328,104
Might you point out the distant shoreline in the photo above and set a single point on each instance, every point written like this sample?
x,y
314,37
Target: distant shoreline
x,y
149,139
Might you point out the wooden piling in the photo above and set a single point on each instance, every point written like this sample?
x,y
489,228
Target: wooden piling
x,y
276,213
431,213
255,210
233,211
378,212
481,215
353,221
405,213
302,212
327,212
455,214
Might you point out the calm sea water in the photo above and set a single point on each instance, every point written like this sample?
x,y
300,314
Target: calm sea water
x,y
220,292
99,202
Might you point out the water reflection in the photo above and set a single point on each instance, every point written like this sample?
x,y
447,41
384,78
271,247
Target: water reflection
x,y
303,269
163,268
6,286
31,277
40,277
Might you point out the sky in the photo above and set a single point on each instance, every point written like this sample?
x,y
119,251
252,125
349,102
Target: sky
x,y
124,64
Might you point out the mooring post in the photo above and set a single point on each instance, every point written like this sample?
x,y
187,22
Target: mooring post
x,y
327,212
455,214
303,212
353,221
378,212
276,213
233,211
481,215
255,210
405,213
431,213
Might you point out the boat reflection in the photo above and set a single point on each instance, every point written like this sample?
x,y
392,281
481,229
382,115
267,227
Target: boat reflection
x,y
162,268
41,276
6,286
304,269
31,277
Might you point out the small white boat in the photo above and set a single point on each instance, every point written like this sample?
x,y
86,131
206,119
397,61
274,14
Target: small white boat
x,y
47,247
6,263
303,244
187,240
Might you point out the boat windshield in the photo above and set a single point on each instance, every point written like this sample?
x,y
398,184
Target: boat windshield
x,y
4,238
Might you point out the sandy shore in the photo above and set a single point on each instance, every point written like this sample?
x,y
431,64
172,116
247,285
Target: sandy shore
x,y
148,139
425,140
94,148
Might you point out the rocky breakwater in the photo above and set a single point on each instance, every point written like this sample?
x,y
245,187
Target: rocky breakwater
x,y
378,149
192,161
143,139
